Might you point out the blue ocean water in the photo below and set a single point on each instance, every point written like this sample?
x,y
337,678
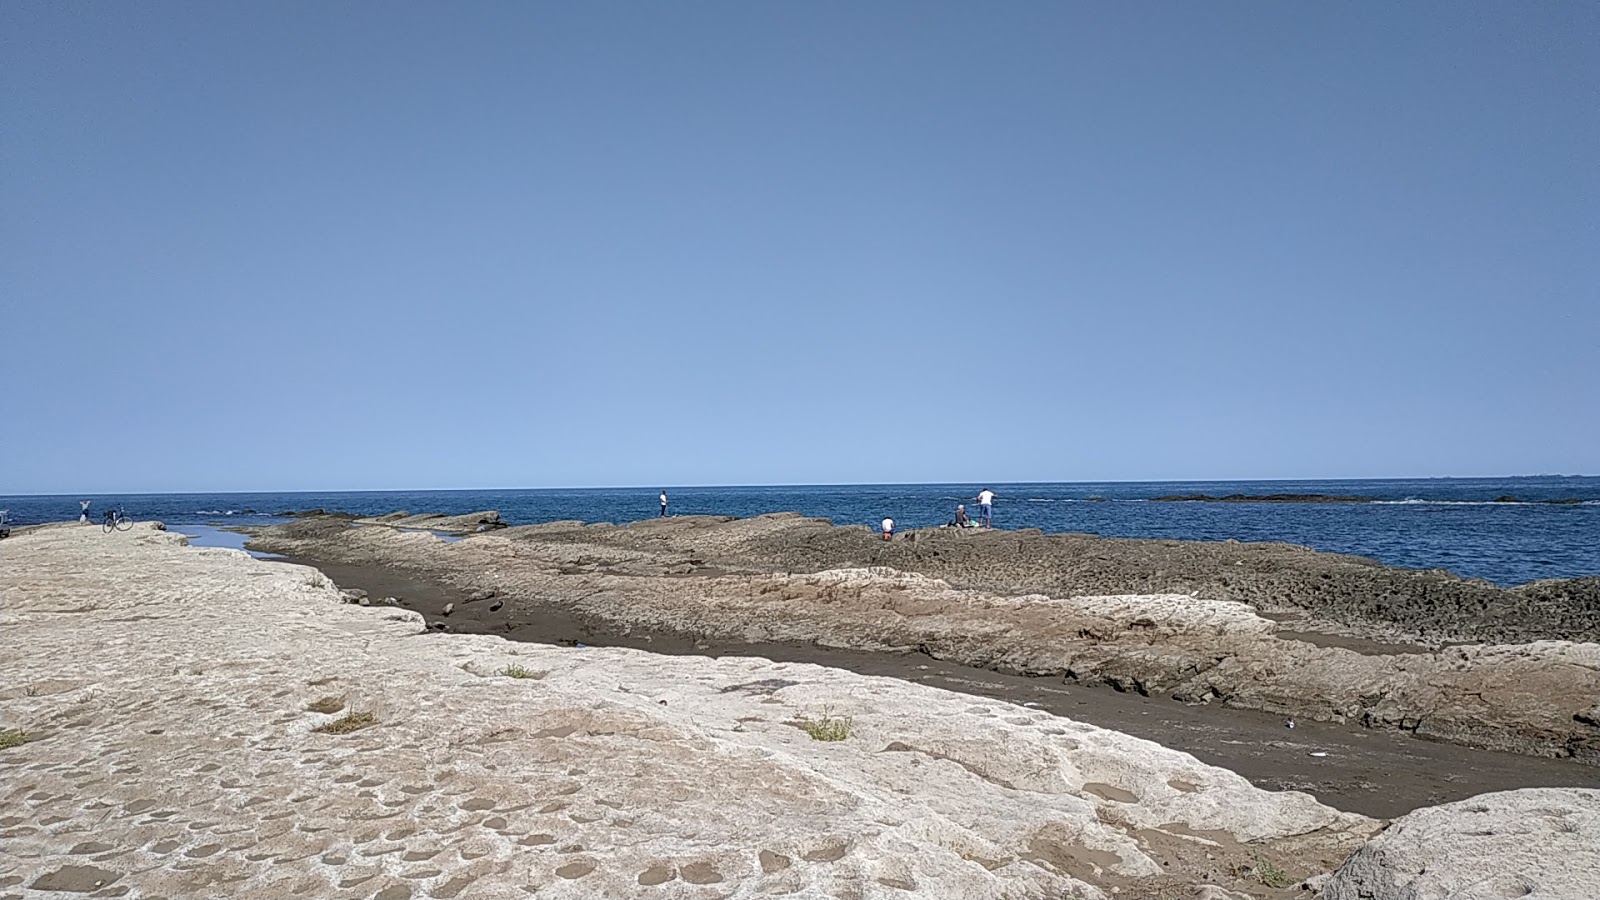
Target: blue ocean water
x,y
1446,523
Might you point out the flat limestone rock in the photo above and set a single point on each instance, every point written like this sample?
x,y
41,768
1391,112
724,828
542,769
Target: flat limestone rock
x,y
1539,843
201,723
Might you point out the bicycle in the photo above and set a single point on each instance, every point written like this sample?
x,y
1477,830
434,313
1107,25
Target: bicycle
x,y
5,523
116,518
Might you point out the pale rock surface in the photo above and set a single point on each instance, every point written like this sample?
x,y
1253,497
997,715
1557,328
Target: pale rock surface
x,y
1212,892
1149,614
1538,843
167,692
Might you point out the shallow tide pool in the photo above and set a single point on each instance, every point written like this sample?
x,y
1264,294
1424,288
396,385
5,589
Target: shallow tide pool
x,y
212,536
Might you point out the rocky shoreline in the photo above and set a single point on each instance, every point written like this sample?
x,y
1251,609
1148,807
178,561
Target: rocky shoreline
x,y
240,728
242,732
1167,619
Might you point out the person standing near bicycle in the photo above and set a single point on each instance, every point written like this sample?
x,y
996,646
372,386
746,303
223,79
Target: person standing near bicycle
x,y
83,513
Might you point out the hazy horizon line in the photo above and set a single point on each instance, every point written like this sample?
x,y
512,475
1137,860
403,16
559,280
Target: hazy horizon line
x,y
798,484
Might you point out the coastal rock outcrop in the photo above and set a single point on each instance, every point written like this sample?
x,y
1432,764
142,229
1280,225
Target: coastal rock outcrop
x,y
1424,606
467,523
714,578
1430,607
238,729
1559,597
1538,843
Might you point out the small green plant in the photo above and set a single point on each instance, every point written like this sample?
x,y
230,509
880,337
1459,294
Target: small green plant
x,y
1272,876
11,737
826,727
327,705
516,670
349,722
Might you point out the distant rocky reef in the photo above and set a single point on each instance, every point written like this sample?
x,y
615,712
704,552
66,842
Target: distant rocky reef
x,y
1324,498
1262,498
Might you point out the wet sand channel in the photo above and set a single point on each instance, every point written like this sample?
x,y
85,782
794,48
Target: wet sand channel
x,y
1376,773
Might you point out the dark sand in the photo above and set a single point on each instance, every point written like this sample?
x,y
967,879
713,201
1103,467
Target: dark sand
x,y
1376,773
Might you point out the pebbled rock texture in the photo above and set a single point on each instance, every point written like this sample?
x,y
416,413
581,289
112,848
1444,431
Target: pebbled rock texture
x,y
199,723
1539,843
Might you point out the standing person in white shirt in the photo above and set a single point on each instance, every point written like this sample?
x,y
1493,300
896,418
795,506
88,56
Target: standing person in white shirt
x,y
663,504
83,514
986,508
888,529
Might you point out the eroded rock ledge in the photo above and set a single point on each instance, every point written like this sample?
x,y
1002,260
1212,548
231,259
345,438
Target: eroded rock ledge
x,y
200,723
987,600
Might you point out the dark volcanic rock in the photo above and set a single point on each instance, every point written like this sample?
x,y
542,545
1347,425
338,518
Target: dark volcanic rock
x,y
311,513
467,523
1353,590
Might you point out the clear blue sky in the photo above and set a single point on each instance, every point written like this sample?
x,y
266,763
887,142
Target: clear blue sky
x,y
397,245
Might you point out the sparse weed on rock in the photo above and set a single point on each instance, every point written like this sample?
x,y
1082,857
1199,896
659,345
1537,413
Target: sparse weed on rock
x,y
516,670
12,737
826,727
354,721
1272,876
